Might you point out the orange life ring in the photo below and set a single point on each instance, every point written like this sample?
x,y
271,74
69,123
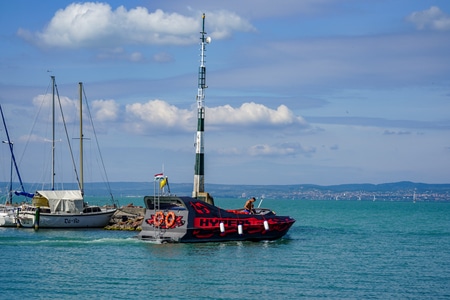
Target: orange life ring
x,y
170,219
158,218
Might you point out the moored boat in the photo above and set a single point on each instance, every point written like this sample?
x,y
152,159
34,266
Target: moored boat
x,y
64,208
8,211
8,216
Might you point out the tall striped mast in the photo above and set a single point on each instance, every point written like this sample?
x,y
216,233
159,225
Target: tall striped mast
x,y
199,176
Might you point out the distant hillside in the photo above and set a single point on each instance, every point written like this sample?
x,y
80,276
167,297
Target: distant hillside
x,y
397,191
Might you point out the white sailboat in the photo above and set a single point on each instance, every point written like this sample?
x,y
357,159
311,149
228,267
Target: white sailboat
x,y
8,216
64,208
8,212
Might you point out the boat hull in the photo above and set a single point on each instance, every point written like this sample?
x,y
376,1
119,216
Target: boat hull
x,y
188,220
8,219
27,219
8,216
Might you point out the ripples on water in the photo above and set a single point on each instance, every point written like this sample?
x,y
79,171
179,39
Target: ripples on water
x,y
338,250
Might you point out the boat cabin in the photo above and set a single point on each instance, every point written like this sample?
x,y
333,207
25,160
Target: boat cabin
x,y
164,203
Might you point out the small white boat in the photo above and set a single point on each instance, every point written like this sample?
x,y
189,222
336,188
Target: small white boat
x,y
8,216
8,212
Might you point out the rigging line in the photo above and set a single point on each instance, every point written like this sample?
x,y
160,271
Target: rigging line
x,y
34,124
67,138
98,146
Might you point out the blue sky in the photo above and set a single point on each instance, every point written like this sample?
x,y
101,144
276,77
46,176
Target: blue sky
x,y
321,92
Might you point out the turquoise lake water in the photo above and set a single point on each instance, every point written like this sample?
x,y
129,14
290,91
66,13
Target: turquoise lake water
x,y
335,250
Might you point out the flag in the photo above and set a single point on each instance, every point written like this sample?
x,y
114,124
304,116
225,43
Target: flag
x,y
162,183
159,176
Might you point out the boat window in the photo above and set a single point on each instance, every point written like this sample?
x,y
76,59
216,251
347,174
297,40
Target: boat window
x,y
171,203
91,209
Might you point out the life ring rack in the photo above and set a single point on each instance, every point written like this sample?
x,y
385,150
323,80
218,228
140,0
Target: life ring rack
x,y
158,218
170,219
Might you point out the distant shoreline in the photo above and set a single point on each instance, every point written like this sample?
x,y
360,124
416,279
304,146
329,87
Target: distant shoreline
x,y
397,191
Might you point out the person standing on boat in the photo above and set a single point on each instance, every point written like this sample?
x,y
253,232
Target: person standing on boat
x,y
249,207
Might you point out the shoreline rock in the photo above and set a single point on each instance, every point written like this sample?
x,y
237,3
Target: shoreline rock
x,y
128,217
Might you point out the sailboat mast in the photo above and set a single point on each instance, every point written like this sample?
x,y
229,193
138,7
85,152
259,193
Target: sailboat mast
x,y
53,132
81,139
11,144
199,176
13,158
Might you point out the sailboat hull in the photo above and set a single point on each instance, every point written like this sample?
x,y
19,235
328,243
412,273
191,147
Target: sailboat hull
x,y
27,219
8,216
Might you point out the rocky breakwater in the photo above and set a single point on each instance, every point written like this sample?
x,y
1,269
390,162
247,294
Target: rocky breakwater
x,y
128,217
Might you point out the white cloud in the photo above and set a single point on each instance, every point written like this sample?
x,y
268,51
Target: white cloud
x,y
253,114
432,18
92,24
105,110
158,114
102,110
223,23
70,108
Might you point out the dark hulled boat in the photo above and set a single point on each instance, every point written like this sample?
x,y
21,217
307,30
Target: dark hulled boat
x,y
190,220
197,219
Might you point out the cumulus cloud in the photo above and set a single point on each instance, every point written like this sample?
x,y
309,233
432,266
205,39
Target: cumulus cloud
x,y
70,108
159,114
253,114
223,23
433,18
96,24
105,110
102,110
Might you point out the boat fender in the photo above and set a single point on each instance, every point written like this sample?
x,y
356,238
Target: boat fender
x,y
36,218
158,218
222,227
266,225
240,229
170,219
